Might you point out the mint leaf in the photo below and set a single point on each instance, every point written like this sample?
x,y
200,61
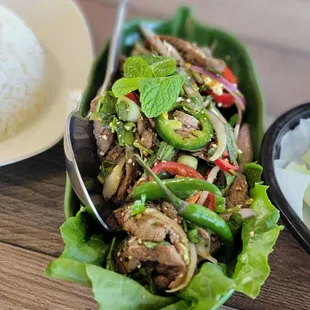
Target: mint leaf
x,y
137,67
157,95
161,66
124,86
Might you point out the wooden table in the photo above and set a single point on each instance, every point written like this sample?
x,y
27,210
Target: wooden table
x,y
31,192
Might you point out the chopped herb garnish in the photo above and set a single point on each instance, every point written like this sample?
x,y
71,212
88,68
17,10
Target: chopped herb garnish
x,y
220,204
110,265
193,235
138,206
151,245
233,120
154,225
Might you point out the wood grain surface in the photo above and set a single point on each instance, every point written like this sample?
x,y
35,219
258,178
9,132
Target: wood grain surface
x,y
31,192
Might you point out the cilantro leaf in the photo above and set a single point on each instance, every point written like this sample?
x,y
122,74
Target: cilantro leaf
x,y
157,95
161,65
137,67
124,86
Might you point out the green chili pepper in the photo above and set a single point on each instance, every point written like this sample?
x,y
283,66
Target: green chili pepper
x,y
196,214
125,137
182,187
201,137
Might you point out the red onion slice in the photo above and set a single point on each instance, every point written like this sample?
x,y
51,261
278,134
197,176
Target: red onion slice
x,y
231,88
221,135
211,177
246,213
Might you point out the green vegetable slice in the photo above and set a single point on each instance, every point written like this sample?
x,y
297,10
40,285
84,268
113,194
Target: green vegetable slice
x,y
114,291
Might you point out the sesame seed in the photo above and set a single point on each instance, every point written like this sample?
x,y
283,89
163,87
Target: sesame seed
x,y
129,257
138,216
101,153
252,234
142,139
120,259
133,164
122,214
238,188
118,254
188,100
139,266
129,161
139,241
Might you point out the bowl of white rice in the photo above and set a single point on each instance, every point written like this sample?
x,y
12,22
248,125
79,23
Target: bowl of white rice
x,y
45,56
22,75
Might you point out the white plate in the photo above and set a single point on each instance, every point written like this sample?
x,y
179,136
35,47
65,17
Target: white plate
x,y
62,31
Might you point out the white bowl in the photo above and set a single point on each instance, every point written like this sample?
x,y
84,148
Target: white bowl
x,y
63,33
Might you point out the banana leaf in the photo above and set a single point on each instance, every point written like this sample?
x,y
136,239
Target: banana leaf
x,y
184,26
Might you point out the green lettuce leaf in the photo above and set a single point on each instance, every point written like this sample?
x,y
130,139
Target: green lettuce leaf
x,y
114,291
259,235
206,289
69,270
78,244
180,305
253,173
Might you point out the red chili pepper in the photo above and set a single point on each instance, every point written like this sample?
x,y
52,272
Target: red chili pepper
x,y
176,169
226,166
210,202
226,99
229,76
132,96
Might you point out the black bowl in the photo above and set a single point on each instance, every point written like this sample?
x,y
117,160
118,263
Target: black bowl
x,y
270,150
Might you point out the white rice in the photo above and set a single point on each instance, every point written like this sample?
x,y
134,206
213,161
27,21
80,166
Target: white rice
x,y
22,73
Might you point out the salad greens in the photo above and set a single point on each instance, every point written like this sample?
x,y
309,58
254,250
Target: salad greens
x,y
87,258
82,262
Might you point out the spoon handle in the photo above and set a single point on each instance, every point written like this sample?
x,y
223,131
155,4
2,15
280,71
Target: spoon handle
x,y
115,44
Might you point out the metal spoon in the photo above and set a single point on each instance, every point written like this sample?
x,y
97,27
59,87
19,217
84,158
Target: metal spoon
x,y
79,144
